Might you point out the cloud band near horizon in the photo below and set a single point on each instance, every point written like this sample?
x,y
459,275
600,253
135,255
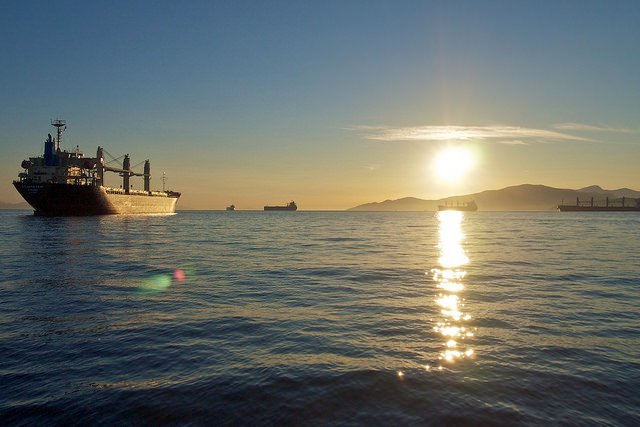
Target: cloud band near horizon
x,y
498,134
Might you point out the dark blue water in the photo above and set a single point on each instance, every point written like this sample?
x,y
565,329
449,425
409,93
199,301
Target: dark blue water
x,y
320,318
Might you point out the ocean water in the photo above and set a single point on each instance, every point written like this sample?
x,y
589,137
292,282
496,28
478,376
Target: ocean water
x,y
320,318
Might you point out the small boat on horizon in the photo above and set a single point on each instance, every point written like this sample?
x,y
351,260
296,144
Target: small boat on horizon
x,y
291,206
231,207
468,206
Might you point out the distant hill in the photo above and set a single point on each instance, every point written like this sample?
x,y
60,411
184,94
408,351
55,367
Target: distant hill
x,y
406,204
526,197
621,192
21,205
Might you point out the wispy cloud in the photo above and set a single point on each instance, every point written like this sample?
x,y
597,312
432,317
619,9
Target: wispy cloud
x,y
592,128
498,134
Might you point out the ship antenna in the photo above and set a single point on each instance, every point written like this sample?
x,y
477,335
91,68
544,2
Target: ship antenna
x,y
59,124
164,179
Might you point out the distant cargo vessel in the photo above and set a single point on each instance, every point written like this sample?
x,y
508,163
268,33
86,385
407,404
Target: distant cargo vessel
x,y
459,206
614,205
291,206
62,183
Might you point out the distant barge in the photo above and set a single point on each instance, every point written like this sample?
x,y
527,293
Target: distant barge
x,y
459,206
291,206
63,183
614,205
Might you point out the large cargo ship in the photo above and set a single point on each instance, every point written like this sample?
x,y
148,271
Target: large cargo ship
x,y
469,206
623,204
62,183
291,206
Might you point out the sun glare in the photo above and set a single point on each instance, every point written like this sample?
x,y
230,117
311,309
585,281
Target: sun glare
x,y
452,164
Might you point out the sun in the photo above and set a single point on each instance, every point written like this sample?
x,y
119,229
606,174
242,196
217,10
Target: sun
x,y
453,164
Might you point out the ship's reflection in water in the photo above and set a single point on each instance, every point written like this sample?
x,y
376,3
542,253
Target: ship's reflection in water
x,y
452,325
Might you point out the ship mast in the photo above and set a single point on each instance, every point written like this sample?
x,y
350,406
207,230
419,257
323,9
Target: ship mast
x,y
126,173
59,124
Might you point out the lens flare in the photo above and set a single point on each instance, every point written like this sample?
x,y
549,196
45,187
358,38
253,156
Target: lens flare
x,y
160,282
179,275
155,284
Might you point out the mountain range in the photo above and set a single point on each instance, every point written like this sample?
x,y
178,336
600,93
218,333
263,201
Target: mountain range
x,y
526,197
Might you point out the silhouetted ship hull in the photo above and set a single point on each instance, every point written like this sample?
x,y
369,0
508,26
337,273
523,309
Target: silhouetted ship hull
x,y
82,200
62,183
289,207
619,205
459,206
573,208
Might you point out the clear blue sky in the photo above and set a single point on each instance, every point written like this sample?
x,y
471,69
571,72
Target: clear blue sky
x,y
329,103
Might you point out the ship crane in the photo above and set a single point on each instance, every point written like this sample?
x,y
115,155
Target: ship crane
x,y
125,172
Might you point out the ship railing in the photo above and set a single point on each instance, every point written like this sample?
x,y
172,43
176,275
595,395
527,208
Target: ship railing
x,y
113,190
608,202
81,180
41,177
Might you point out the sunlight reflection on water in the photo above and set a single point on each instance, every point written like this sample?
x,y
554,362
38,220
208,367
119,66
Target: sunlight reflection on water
x,y
449,278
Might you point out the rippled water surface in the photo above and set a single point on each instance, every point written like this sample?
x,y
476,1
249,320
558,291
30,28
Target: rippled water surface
x,y
321,318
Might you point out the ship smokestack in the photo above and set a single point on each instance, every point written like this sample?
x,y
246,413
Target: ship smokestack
x,y
147,176
126,166
49,152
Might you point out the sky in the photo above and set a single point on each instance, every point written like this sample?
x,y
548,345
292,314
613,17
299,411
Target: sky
x,y
328,103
